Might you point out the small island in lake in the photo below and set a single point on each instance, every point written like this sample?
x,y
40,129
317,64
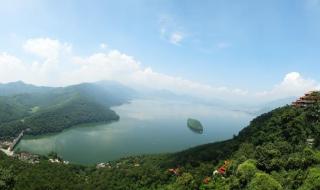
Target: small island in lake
x,y
195,125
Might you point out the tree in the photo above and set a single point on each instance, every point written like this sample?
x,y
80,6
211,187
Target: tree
x,y
6,179
312,181
263,181
245,172
268,157
185,182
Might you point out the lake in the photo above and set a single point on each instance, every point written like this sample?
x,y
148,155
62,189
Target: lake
x,y
145,127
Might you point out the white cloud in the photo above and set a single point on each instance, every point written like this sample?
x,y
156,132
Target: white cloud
x,y
123,68
59,66
176,38
11,68
46,47
54,59
293,84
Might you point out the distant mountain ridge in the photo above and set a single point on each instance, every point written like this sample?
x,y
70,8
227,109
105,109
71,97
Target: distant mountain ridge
x,y
52,109
19,87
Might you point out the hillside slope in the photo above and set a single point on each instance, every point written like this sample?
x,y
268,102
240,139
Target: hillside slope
x,y
11,110
273,152
54,109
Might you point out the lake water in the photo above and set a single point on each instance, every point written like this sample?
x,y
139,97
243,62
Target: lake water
x,y
145,126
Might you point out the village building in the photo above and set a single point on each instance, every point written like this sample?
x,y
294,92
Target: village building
x,y
27,157
103,165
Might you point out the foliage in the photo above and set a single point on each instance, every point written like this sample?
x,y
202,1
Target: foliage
x,y
272,153
245,172
11,110
54,109
312,181
6,179
263,181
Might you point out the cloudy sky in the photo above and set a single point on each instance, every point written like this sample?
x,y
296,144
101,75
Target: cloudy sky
x,y
235,50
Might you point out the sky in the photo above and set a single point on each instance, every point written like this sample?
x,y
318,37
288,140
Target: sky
x,y
230,49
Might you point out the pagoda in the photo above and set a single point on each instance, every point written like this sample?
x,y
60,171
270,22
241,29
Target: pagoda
x,y
308,99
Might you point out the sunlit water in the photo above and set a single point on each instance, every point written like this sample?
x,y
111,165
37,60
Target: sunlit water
x,y
145,126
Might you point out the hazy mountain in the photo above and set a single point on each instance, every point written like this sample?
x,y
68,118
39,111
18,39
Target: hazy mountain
x,y
266,107
52,109
169,95
105,92
20,87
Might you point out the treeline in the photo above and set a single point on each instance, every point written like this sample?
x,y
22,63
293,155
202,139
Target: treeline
x,y
55,119
75,112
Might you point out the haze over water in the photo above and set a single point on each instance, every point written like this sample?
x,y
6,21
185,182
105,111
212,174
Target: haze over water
x,y
145,127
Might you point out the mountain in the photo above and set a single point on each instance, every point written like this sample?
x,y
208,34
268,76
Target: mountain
x,y
172,96
256,109
48,109
20,87
108,93
278,150
266,107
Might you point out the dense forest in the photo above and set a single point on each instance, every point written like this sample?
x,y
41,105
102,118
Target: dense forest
x,y
40,110
278,150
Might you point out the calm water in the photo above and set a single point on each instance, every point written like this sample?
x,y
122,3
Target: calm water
x,y
146,126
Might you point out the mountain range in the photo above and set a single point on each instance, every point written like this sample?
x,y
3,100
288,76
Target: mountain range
x,y
52,109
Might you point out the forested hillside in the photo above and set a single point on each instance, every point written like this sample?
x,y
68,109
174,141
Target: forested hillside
x,y
44,110
278,150
11,110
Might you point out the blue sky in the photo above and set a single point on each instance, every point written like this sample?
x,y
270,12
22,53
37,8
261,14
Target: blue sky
x,y
247,44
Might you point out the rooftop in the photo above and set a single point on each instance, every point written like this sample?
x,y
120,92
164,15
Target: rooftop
x,y
309,98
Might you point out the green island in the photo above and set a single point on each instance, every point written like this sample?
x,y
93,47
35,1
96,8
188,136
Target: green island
x,y
195,125
278,150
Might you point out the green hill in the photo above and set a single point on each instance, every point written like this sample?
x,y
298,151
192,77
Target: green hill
x,y
11,110
45,110
275,151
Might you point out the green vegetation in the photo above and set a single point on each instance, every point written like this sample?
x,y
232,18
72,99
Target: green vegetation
x,y
273,153
11,110
47,110
35,109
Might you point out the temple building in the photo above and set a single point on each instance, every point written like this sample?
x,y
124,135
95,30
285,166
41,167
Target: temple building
x,y
308,99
